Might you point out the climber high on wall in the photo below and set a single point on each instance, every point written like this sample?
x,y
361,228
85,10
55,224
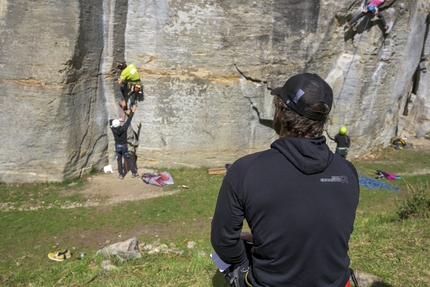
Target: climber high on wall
x,y
371,9
130,86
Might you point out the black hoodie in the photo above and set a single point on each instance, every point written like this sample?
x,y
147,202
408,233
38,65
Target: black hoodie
x,y
120,133
299,200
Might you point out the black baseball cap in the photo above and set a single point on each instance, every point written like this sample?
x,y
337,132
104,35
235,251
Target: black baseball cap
x,y
302,91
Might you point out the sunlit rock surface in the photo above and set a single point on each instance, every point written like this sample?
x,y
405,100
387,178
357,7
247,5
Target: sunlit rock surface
x,y
208,68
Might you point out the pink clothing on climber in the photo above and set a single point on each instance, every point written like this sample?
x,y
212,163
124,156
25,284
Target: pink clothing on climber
x,y
376,3
374,11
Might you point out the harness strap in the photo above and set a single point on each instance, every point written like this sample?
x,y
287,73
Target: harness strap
x,y
354,279
246,279
132,87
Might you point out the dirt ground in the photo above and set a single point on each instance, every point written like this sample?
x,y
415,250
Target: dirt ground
x,y
418,143
107,188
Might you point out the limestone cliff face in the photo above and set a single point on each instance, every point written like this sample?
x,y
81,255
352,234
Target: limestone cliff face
x,y
53,110
208,68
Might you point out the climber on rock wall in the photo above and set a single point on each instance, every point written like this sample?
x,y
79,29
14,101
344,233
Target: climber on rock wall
x,y
130,86
372,9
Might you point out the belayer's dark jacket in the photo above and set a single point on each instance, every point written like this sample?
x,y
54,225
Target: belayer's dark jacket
x,y
299,200
120,133
342,141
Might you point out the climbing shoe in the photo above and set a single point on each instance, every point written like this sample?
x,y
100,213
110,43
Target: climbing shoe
x,y
127,112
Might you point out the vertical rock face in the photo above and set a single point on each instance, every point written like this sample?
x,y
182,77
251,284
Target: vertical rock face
x,y
208,68
53,114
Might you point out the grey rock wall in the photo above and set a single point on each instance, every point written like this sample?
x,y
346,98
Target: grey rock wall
x,y
208,68
53,111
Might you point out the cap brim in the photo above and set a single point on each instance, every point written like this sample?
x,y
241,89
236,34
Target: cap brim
x,y
276,91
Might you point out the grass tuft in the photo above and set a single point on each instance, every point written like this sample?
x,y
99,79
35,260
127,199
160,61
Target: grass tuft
x,y
417,204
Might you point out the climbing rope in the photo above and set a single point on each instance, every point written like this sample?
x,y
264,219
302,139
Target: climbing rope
x,y
352,61
371,183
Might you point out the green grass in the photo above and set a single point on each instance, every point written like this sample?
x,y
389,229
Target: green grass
x,y
385,243
395,249
33,196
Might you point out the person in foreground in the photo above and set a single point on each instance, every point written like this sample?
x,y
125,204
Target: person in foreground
x,y
298,199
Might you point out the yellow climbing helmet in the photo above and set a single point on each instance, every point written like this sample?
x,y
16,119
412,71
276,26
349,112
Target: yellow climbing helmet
x,y
343,130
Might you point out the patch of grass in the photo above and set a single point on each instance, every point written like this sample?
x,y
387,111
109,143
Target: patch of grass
x,y
417,204
178,218
396,250
39,195
413,166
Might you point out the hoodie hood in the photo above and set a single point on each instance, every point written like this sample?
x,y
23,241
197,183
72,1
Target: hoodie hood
x,y
309,155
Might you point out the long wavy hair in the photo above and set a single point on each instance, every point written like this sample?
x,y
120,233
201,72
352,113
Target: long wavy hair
x,y
288,123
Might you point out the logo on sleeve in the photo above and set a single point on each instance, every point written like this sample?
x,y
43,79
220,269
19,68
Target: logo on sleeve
x,y
335,178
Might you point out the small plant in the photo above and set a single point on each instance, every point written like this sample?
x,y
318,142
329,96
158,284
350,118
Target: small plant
x,y
94,170
417,204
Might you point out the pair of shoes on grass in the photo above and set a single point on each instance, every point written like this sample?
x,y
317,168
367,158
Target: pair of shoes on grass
x,y
60,255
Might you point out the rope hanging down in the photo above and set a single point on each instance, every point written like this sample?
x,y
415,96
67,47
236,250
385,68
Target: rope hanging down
x,y
350,64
